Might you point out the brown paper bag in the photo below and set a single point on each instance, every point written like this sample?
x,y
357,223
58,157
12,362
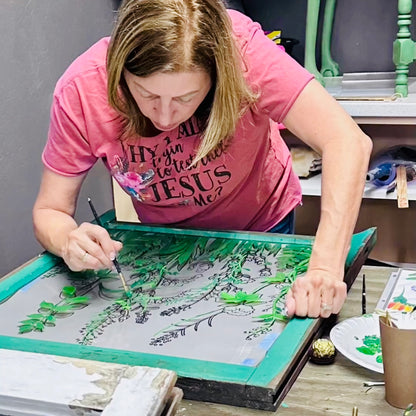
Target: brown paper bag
x,y
399,361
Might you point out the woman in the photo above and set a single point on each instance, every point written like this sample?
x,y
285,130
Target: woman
x,y
182,105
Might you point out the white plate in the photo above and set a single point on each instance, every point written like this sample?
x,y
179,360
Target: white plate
x,y
349,335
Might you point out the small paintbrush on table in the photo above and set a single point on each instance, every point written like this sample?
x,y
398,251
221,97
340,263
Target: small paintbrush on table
x,y
363,298
115,262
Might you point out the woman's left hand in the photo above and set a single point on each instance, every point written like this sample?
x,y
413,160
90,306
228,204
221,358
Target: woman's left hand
x,y
316,294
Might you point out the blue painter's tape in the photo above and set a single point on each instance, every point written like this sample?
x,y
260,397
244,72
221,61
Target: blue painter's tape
x,y
268,341
249,362
28,286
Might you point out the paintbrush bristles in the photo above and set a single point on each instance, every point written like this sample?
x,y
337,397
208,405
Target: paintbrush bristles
x,y
121,276
123,281
115,262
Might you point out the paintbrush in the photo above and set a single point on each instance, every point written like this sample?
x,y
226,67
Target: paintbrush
x,y
115,262
363,298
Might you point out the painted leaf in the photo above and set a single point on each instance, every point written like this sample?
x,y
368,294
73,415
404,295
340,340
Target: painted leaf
x,y
36,316
47,305
62,308
186,255
240,297
126,305
39,326
303,263
69,291
281,317
266,317
50,319
30,322
284,291
77,300
219,250
279,278
23,329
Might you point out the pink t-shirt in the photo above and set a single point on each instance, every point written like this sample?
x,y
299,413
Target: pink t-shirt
x,y
248,186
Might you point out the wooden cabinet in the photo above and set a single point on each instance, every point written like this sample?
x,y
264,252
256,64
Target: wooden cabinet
x,y
388,123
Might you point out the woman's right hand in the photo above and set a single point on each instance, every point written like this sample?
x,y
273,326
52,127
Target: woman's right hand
x,y
90,247
85,246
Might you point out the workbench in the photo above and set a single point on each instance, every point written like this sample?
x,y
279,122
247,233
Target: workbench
x,y
330,390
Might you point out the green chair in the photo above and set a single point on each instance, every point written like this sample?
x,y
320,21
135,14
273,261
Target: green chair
x,y
404,48
329,67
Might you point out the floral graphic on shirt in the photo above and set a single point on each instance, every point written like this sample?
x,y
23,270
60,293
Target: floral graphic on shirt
x,y
134,183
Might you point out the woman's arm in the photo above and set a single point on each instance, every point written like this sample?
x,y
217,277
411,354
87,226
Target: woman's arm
x,y
57,231
318,120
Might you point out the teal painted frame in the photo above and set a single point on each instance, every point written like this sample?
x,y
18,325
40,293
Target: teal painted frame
x,y
260,385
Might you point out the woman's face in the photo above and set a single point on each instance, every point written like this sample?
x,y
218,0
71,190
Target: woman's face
x,y
169,99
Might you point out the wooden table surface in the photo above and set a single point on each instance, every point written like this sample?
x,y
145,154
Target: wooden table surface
x,y
331,390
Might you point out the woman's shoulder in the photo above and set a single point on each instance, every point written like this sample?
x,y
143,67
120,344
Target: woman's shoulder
x,y
243,26
88,69
239,20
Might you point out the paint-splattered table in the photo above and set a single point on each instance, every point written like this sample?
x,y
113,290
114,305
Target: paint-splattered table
x,y
330,390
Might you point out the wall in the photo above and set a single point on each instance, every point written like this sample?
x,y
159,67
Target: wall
x,y
362,36
38,40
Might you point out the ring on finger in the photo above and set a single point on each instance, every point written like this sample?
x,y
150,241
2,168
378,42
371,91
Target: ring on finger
x,y
84,257
326,307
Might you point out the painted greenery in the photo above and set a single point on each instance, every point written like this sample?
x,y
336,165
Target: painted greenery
x,y
49,312
158,262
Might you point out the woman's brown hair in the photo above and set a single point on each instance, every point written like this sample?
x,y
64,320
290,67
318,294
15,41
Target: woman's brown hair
x,y
177,36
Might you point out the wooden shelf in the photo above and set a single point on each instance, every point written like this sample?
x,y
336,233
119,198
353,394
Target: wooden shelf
x,y
373,111
312,187
374,106
388,123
